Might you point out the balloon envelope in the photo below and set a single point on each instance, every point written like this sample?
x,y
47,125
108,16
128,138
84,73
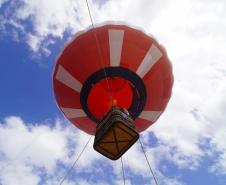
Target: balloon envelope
x,y
112,65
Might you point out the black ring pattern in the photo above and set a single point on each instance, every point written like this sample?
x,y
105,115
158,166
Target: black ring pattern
x,y
136,83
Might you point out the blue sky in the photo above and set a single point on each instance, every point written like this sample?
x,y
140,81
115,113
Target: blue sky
x,y
186,146
27,85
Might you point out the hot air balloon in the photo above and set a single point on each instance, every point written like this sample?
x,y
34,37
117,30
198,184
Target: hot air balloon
x,y
113,81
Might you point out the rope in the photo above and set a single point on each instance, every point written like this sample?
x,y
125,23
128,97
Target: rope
x,y
123,173
152,173
99,51
68,172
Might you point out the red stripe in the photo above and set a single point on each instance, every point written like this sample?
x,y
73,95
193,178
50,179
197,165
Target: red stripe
x,y
134,49
65,96
81,57
158,82
85,124
142,124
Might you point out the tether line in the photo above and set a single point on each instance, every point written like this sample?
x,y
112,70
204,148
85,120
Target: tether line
x,y
69,170
99,52
152,173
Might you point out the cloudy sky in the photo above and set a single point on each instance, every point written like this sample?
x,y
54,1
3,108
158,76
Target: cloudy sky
x,y
186,146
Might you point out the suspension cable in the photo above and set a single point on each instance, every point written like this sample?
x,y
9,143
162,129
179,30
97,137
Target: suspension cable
x,y
99,52
152,173
123,173
69,170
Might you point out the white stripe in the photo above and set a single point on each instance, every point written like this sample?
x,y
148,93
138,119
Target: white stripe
x,y
73,113
67,79
150,115
115,42
151,57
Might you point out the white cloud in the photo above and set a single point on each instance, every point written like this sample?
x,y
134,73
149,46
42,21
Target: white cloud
x,y
49,20
34,42
215,115
40,146
19,174
169,21
72,15
27,151
44,152
193,34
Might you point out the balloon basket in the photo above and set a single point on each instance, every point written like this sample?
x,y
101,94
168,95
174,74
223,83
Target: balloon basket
x,y
115,134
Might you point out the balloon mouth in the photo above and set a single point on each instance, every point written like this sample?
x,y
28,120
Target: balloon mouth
x,y
108,92
112,86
